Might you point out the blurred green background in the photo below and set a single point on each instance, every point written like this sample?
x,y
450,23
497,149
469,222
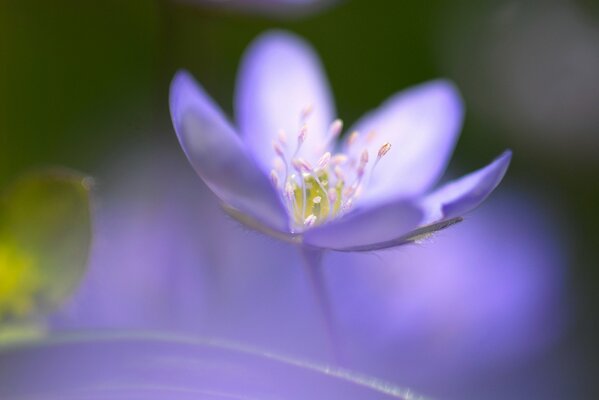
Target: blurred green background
x,y
81,82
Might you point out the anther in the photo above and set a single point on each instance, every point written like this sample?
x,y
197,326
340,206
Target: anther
x,y
274,178
278,149
306,112
310,220
317,200
332,195
364,157
301,138
339,159
282,137
324,161
301,165
289,192
363,162
352,138
336,128
384,150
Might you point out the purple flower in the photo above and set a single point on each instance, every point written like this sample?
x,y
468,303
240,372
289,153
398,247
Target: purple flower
x,y
284,172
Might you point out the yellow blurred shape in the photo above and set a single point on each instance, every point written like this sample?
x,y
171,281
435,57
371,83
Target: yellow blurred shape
x,y
19,282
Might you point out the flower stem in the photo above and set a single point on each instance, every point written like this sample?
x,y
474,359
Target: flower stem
x,y
313,265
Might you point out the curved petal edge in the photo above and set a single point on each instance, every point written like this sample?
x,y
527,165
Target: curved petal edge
x,y
218,155
366,229
466,193
280,78
422,124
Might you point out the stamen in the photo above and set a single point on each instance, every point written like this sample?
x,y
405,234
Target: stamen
x,y
339,159
278,149
274,178
306,112
324,161
289,192
352,138
301,138
281,153
321,186
282,137
332,195
290,195
363,162
336,128
301,165
314,194
382,151
310,221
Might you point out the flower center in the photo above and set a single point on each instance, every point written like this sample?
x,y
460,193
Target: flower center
x,y
314,194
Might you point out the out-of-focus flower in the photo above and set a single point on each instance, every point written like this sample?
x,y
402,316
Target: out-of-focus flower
x,y
158,367
283,8
45,229
284,173
485,297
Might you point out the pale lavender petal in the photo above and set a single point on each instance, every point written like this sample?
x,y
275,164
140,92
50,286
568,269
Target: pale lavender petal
x,y
462,195
365,227
422,125
219,156
279,78
159,367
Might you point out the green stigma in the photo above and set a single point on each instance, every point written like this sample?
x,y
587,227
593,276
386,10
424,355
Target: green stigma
x,y
314,201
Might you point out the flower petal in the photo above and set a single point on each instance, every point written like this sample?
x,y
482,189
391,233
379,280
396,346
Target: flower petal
x,y
279,78
422,125
366,228
155,366
462,195
218,155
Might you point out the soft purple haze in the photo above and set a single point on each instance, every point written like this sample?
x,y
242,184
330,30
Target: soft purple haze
x,y
483,297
